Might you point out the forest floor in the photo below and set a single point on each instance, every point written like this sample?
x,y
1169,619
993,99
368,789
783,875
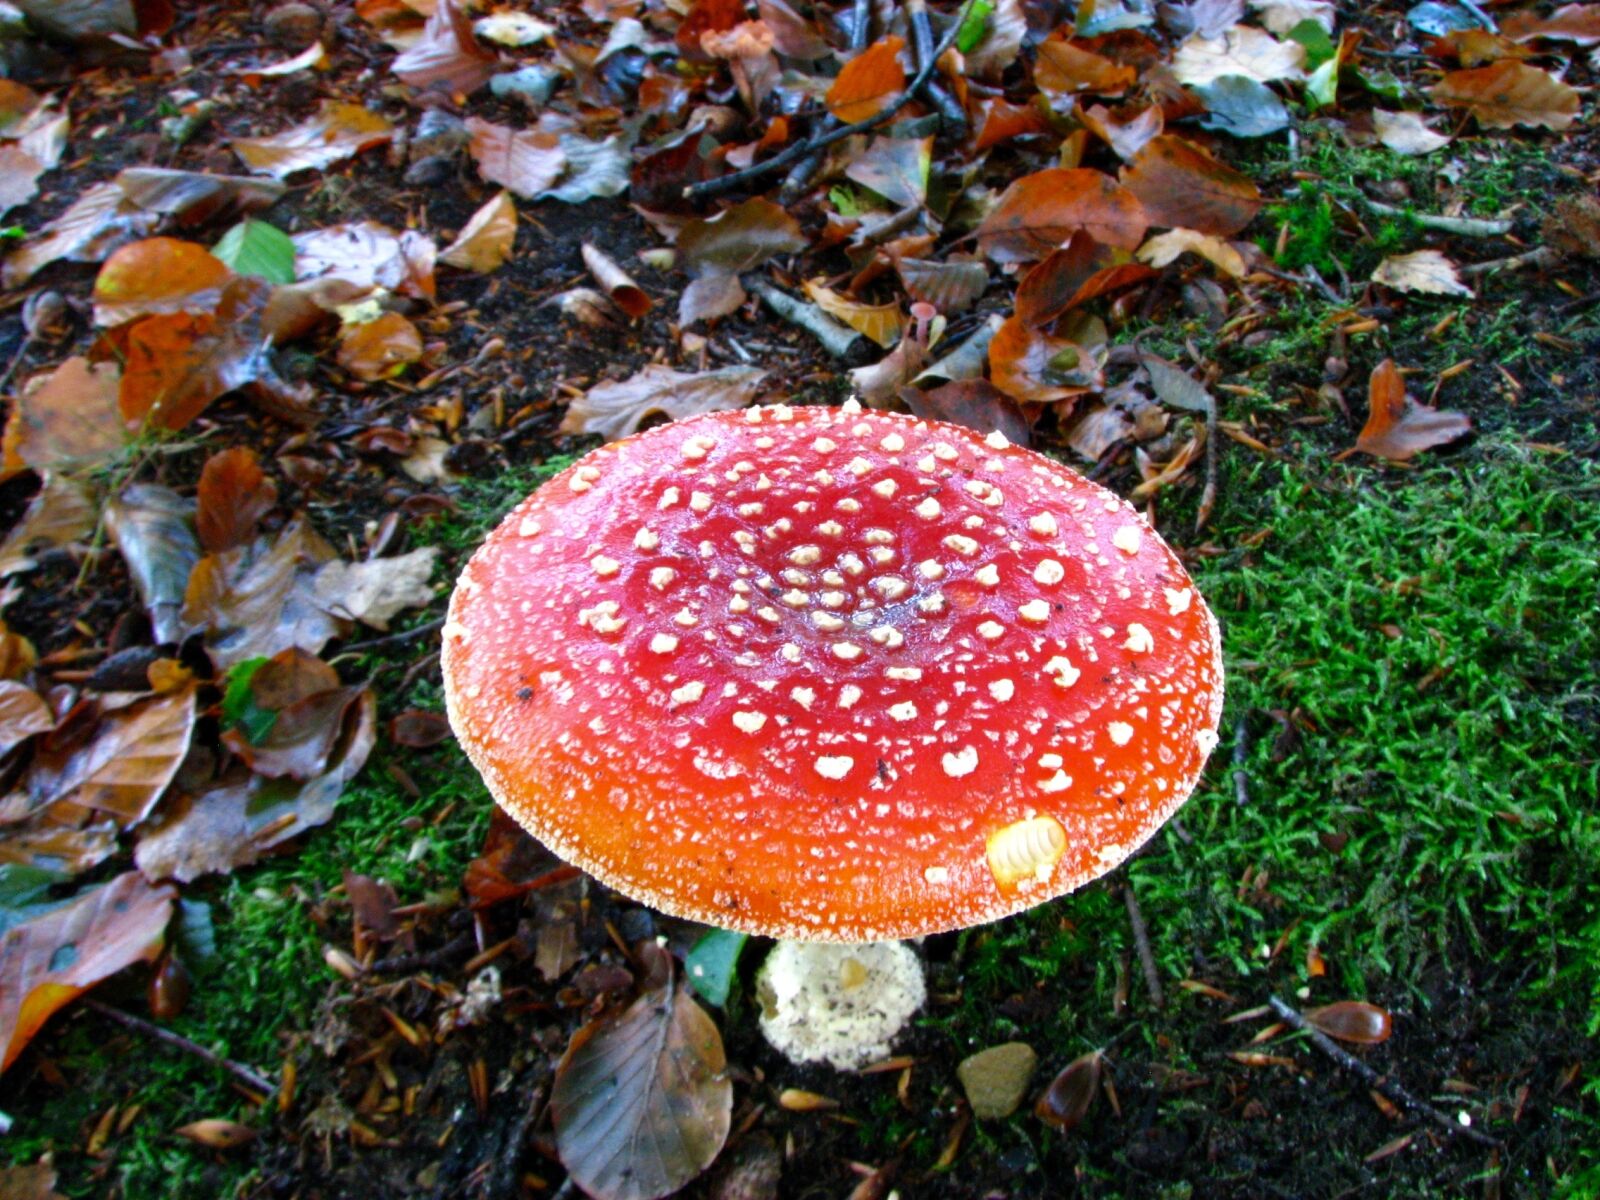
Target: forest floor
x,y
1402,809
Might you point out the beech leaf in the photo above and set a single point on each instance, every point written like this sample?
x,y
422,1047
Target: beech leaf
x,y
1352,1021
1039,212
616,409
373,592
1509,93
158,275
1252,53
234,494
1425,271
642,1102
447,55
1183,187
69,419
869,82
739,239
1398,427
1406,132
339,130
485,242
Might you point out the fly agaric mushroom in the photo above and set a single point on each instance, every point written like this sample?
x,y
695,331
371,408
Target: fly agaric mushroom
x,y
832,675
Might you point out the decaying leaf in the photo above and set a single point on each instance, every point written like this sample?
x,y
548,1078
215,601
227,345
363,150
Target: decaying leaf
x,y
67,420
1063,70
1066,1101
1579,23
1425,271
379,349
485,242
1398,427
196,197
19,177
895,168
1073,275
710,296
447,55
617,409
1252,53
869,82
1164,248
1508,93
1039,212
1029,364
594,169
618,284
1406,132
367,255
152,527
1180,185
48,962
23,713
233,496
61,514
1126,130
642,1102
950,286
526,161
339,130
157,275
217,1134
375,591
97,222
740,239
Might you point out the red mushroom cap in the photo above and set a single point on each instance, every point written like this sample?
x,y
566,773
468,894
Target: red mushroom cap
x,y
831,674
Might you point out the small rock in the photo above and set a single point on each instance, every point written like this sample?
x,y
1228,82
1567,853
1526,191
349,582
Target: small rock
x,y
996,1079
295,25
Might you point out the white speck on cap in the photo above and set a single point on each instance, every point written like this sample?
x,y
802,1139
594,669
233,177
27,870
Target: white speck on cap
x,y
1120,733
929,509
1178,600
962,763
990,630
1049,572
663,643
1127,539
1043,524
749,722
1002,689
1139,639
834,766
906,711
604,566
689,692
1037,611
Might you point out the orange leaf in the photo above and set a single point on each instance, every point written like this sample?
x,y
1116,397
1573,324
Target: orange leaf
x,y
1074,275
1181,186
486,240
526,161
1352,1021
1039,212
338,131
1064,70
234,494
1509,93
379,349
158,275
869,82
1398,427
999,121
1029,364
1578,23
50,961
1126,130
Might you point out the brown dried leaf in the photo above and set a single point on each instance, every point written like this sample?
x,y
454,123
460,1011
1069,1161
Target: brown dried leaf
x,y
302,738
233,496
34,1181
23,713
196,197
525,160
19,177
373,592
365,255
1398,427
235,823
617,409
998,121
618,284
338,131
642,1102
739,239
158,275
53,959
975,403
1507,94
98,221
69,419
880,323
1578,23
447,54
895,168
1073,275
61,514
1352,1021
712,295
485,242
1066,1101
217,1134
1001,43
1063,71
949,286
1039,212
1406,132
1424,271
379,349
152,528
1126,130
869,82
792,35
1183,187
1029,364
417,729
1165,248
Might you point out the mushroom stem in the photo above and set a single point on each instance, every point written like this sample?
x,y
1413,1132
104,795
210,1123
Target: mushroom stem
x,y
841,1003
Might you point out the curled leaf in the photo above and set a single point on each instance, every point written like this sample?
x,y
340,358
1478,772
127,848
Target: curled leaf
x,y
485,242
1066,1101
618,284
1352,1021
1398,427
617,409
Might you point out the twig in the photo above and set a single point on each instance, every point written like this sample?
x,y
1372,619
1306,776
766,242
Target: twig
x,y
1484,18
804,171
951,114
1539,256
1460,226
836,339
1241,748
251,1078
1141,941
1208,494
821,140
460,946
1374,1080
396,639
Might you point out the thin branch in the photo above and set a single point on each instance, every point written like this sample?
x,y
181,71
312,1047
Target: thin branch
x,y
251,1078
1484,18
1372,1079
1459,226
1141,941
1208,494
712,188
1539,256
396,639
836,339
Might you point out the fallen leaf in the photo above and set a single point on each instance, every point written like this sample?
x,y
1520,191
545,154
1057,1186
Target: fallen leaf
x,y
196,197
1029,364
1097,429
90,20
257,248
594,170
950,286
1578,23
878,384
1127,130
1507,93
485,242
418,729
217,1134
880,323
739,239
1039,212
447,55
158,275
618,408
1242,107
151,527
23,713
236,822
375,591
998,121
1406,132
975,403
339,131
1242,50
379,349
618,284
712,295
69,419
869,82
313,58
1073,275
895,168
998,42
1398,427
32,1181
1281,16
95,224
526,161
19,177
367,255
302,736
234,494
642,1102
792,35
1165,248
1352,1021
1425,271
1066,1101
1063,71
1180,185
59,515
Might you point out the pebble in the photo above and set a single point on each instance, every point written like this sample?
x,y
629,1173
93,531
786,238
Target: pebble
x,y
996,1079
293,25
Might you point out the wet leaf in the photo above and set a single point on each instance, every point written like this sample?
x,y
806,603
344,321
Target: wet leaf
x,y
67,420
151,527
1182,186
975,403
485,242
710,296
23,713
1352,1021
1282,16
1066,1101
375,591
998,38
32,1181
217,1134
1425,271
380,348
1400,428
1029,364
1039,212
1406,132
259,249
1063,71
617,409
1251,53
1074,275
233,496
641,1102
86,20
236,822
1126,130
158,275
594,170
1165,248
447,55
196,197
1506,94
998,122
869,82
880,323
1578,23
792,35
618,284
949,286
338,131
739,239
367,255
50,961
417,729
1243,107
895,168
96,223
61,514
712,962
526,161
303,733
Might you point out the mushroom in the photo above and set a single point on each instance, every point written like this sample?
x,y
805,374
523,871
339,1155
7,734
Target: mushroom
x,y
831,675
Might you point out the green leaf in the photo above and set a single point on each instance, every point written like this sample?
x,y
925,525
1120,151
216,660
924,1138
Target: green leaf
x,y
975,26
25,893
239,708
1323,84
1319,46
711,962
255,248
